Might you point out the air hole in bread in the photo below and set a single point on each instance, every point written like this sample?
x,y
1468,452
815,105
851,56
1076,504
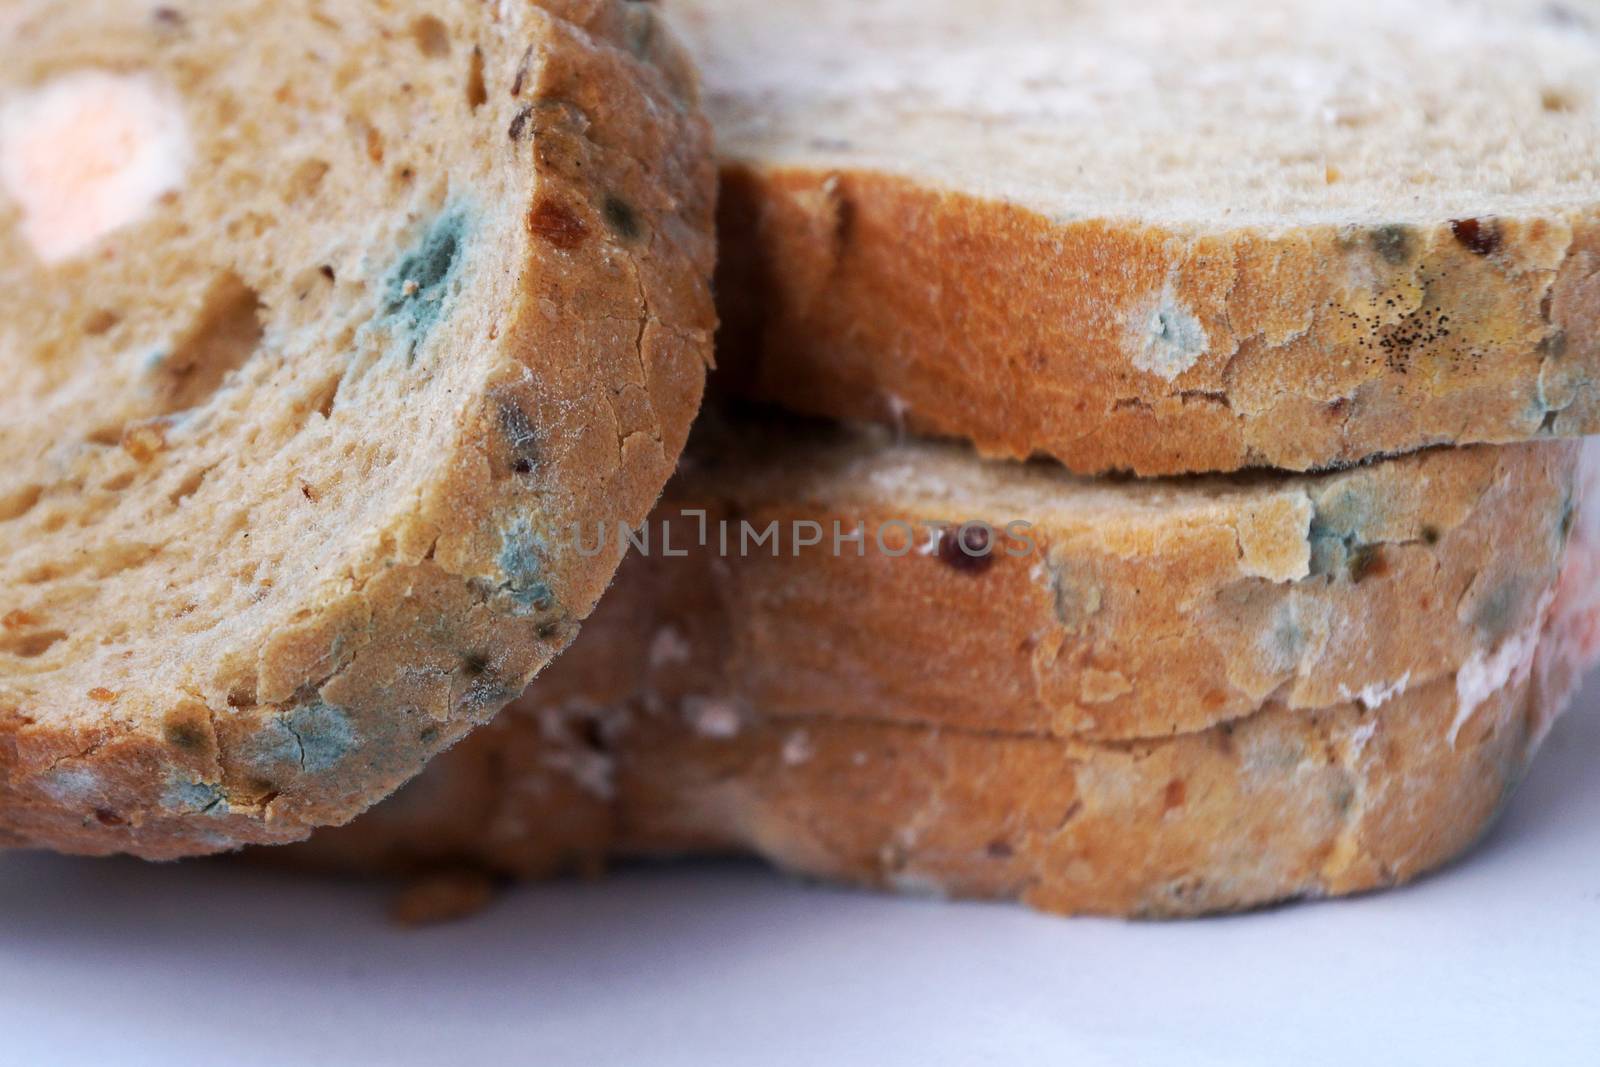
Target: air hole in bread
x,y
225,335
30,645
117,483
308,178
105,436
189,486
313,282
100,322
323,397
433,38
19,502
116,558
39,575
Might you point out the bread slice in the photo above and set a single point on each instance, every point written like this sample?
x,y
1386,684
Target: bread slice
x,y
1163,236
317,320
945,727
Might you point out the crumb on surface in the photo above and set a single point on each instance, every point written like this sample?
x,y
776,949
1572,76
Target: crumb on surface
x,y
441,897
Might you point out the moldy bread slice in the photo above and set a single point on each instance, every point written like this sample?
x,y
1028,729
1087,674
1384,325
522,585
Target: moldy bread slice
x,y
318,319
1163,236
941,729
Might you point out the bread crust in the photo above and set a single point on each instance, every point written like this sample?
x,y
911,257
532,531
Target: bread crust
x,y
652,737
606,344
1143,609
1112,345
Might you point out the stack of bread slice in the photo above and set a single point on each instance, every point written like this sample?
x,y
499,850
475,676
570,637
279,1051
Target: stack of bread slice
x,y
1133,254
1143,474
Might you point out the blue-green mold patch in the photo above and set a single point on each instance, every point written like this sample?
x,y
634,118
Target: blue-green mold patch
x,y
1338,521
187,797
1286,640
73,785
418,290
313,736
1498,612
522,560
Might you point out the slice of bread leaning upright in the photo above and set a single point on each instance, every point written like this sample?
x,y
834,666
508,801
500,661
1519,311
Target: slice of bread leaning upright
x,y
320,322
1163,236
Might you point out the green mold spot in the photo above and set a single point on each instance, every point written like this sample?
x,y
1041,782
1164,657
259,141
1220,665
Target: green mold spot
x,y
193,798
185,735
522,561
418,290
1496,613
622,219
1366,561
1337,536
1567,519
314,736
1392,243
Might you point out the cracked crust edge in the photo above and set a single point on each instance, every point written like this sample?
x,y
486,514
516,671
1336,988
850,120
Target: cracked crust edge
x,y
854,293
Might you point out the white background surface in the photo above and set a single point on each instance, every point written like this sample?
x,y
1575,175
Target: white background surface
x,y
1494,961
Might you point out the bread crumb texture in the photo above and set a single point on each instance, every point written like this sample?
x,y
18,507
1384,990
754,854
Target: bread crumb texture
x,y
317,319
1165,236
1144,724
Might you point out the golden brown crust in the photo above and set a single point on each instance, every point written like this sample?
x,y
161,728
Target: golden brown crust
x,y
433,630
1115,345
657,734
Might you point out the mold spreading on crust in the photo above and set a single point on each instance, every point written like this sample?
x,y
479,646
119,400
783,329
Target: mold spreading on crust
x,y
1394,244
1335,535
255,485
1486,673
89,153
1375,695
522,561
314,736
187,797
1169,339
1076,597
418,288
71,785
1295,637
